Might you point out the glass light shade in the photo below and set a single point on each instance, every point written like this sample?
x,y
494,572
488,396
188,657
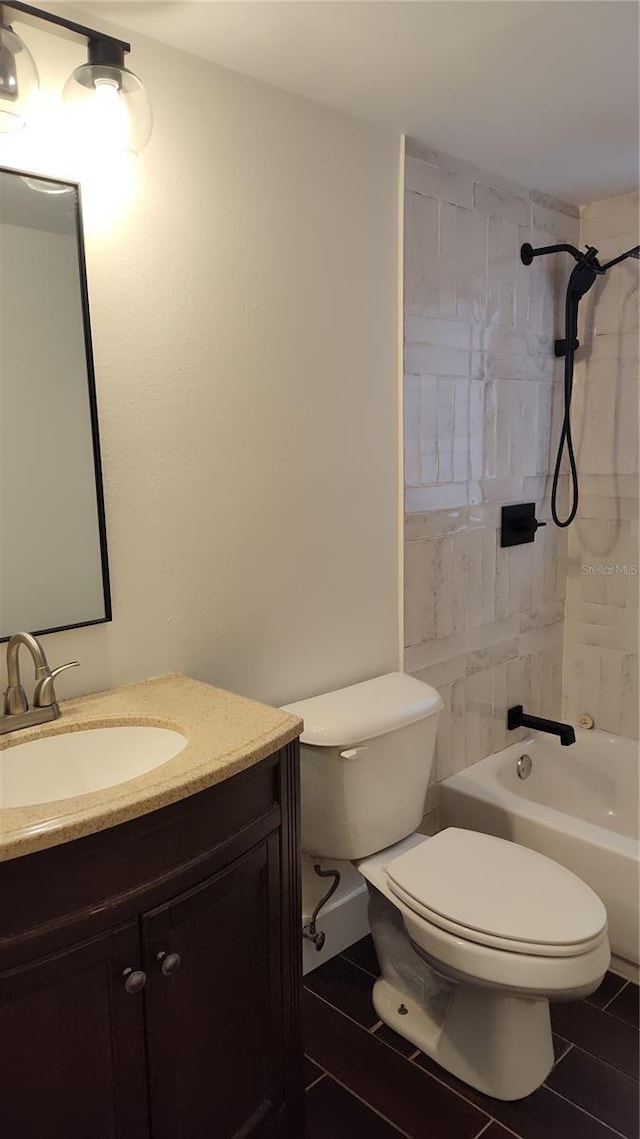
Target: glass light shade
x,y
110,107
46,185
18,80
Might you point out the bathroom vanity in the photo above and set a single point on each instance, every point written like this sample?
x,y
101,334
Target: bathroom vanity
x,y
150,934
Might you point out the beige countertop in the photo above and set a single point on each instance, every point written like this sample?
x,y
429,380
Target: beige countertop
x,y
225,734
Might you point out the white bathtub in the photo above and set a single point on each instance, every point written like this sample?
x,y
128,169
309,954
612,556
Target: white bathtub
x,y
579,806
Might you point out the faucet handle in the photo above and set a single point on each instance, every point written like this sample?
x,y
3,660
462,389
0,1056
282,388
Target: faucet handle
x,y
44,693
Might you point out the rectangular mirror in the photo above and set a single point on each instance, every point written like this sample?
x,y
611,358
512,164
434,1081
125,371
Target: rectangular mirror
x,y
53,549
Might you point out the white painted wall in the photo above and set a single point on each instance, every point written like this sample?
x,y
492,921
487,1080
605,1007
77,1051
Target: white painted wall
x,y
244,312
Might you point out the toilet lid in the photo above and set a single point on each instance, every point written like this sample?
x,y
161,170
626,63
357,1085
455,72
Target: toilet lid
x,y
496,891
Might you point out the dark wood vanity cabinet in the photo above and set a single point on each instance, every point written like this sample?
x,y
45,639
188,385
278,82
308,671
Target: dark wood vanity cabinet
x,y
150,974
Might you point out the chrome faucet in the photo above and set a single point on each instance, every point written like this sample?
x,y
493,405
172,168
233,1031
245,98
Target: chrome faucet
x,y
17,713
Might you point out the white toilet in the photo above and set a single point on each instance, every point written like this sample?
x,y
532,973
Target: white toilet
x,y
474,934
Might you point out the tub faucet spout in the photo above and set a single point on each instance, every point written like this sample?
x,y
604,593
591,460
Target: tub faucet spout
x,y
518,718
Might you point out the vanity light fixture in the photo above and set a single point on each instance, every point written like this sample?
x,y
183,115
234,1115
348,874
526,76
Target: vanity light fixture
x,y
18,77
106,100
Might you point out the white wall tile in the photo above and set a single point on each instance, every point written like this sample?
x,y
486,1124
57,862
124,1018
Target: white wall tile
x,y
451,585
429,359
612,217
471,265
541,638
451,742
428,445
412,431
501,204
498,735
437,331
547,614
486,625
556,222
478,715
422,498
447,266
491,656
451,182
601,640
503,258
434,523
556,204
420,578
481,574
630,690
624,637
437,675
420,254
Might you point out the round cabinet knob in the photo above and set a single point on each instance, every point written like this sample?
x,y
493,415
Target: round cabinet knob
x,y
169,962
134,980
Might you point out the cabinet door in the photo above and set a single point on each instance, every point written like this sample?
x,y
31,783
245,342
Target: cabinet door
x,y
214,1032
72,1044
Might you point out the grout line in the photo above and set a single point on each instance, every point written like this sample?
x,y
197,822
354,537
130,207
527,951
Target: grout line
x,y
371,1108
563,1056
342,1013
504,1127
454,1091
357,966
598,1059
424,1071
614,997
314,1082
585,1112
612,1015
484,1128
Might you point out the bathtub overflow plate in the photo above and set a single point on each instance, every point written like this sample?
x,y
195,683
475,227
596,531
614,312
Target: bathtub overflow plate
x,y
524,766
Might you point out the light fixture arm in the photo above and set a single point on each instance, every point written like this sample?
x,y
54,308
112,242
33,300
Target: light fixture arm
x,y
27,14
108,101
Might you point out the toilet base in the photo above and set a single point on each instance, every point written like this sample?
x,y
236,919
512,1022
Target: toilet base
x,y
499,1044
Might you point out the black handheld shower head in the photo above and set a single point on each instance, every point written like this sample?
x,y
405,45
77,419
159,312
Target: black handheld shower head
x,y
583,276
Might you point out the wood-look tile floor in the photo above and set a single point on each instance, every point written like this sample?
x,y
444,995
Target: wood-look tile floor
x,y
365,1082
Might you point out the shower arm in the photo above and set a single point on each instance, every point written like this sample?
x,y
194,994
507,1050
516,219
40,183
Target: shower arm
x,y
527,254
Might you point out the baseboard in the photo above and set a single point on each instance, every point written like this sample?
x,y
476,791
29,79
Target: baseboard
x,y
343,921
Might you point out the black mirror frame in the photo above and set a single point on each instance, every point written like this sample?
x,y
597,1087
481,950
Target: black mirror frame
x,y
93,407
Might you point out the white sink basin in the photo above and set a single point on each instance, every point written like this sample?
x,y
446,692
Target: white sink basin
x,y
75,763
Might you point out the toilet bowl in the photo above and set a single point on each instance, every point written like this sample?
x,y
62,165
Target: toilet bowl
x,y
477,999
474,934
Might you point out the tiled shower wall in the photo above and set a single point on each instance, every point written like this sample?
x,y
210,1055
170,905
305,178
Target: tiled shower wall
x,y
483,399
601,636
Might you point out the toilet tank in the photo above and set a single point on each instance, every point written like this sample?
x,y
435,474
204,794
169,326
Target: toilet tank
x,y
365,759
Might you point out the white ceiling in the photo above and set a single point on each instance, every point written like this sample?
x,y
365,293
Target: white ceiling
x,y
541,91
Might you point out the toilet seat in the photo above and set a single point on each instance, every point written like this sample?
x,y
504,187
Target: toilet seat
x,y
509,965
535,975
498,894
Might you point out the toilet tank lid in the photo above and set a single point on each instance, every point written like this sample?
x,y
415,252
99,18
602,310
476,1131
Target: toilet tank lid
x,y
366,710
